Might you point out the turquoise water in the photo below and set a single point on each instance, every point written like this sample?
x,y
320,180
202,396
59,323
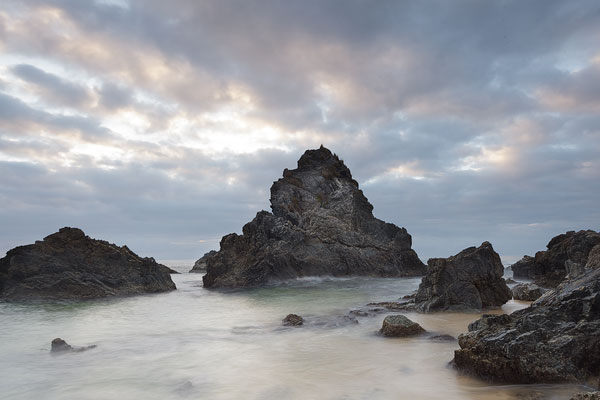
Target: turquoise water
x,y
199,344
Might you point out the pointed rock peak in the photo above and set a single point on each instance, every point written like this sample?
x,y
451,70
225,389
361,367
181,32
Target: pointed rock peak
x,y
324,160
66,234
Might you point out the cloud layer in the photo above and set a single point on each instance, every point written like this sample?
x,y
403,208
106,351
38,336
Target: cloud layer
x,y
162,124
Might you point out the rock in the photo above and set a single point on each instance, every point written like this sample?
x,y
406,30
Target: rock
x,y
443,338
60,346
70,265
321,225
555,340
395,305
510,281
586,396
293,320
527,291
566,255
400,326
468,281
200,265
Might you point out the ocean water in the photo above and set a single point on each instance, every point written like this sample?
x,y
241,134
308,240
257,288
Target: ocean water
x,y
201,344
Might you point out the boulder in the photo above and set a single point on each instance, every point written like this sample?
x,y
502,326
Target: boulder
x,y
527,291
58,345
400,326
70,265
586,396
321,225
200,264
566,255
293,320
468,281
555,340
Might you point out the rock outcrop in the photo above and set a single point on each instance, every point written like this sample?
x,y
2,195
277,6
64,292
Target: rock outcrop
x,y
468,281
555,340
293,320
566,255
200,264
321,224
58,345
70,265
586,396
527,292
400,326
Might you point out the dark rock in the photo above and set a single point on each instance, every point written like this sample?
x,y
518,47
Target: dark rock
x,y
321,224
395,305
409,296
200,265
566,255
510,281
168,270
60,346
555,340
468,281
443,338
399,326
70,265
293,320
527,291
586,396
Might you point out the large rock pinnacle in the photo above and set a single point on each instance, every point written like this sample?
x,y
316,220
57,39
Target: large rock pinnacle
x,y
321,224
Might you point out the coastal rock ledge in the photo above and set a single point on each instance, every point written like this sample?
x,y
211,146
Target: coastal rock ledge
x,y
321,224
70,265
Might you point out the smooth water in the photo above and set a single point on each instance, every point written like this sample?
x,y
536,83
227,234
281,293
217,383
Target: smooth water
x,y
200,344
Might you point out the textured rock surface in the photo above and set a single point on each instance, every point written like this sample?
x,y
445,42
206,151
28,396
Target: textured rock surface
x,y
527,291
321,224
293,320
200,265
586,396
70,265
566,254
399,326
557,339
470,280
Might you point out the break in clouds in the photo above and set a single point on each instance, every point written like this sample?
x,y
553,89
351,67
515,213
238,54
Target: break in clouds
x,y
163,124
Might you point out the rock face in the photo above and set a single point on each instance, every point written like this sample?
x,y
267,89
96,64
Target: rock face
x,y
470,280
200,265
527,291
293,320
555,340
567,254
321,224
70,265
399,326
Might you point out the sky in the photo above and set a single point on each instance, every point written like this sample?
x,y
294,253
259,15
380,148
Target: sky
x,y
162,124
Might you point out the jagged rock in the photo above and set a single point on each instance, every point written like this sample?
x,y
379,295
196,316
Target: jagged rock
x,y
470,280
293,320
567,255
58,345
586,396
70,265
510,281
527,291
399,326
555,340
200,265
321,224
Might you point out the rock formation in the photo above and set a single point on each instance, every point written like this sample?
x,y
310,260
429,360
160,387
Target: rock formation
x,y
293,320
70,265
567,254
321,224
586,396
400,326
470,280
58,345
527,291
555,340
200,264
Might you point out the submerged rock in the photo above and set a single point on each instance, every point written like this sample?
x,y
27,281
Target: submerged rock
x,y
293,320
70,265
555,340
566,255
58,345
400,326
470,280
321,224
527,291
200,265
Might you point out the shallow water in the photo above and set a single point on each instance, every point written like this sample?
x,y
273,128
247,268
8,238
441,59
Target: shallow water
x,y
199,344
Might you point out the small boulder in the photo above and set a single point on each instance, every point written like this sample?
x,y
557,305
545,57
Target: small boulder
x,y
527,291
400,326
293,320
60,346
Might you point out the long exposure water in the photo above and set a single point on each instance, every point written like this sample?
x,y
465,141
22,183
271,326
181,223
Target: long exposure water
x,y
194,343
